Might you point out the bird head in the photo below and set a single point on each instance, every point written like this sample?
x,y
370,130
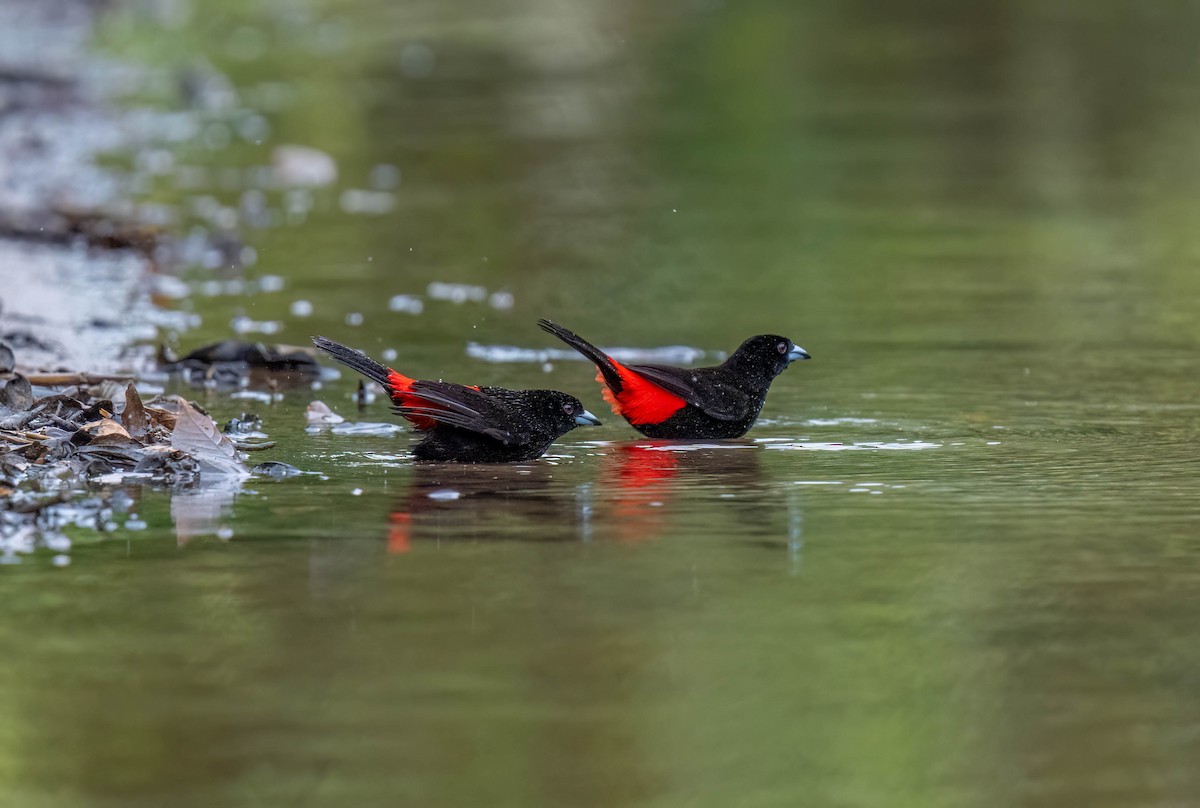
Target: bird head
x,y
566,411
767,354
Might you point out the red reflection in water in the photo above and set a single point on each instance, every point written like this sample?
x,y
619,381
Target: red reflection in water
x,y
638,495
399,532
639,477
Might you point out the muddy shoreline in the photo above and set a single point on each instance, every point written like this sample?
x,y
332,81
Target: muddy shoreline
x,y
80,262
82,271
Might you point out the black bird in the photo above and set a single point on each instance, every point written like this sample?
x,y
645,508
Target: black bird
x,y
471,424
701,403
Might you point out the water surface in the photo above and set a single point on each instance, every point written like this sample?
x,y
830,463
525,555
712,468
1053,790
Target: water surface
x,y
954,564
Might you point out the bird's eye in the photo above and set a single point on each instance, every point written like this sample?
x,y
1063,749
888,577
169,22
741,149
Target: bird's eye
x,y
782,347
568,408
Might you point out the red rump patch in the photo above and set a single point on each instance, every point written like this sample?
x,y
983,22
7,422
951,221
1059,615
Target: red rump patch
x,y
398,382
398,387
640,401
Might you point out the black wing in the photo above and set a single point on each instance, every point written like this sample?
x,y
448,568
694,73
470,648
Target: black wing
x,y
699,388
465,408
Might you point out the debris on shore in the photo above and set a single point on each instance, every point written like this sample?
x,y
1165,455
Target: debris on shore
x,y
86,283
58,448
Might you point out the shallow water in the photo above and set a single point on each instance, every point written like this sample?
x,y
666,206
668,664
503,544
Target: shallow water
x,y
954,564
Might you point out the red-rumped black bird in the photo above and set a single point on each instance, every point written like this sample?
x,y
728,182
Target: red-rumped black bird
x,y
667,402
471,424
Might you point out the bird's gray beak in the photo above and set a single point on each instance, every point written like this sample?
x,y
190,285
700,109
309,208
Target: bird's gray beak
x,y
797,353
585,418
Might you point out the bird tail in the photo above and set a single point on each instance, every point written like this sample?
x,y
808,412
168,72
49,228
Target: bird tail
x,y
608,368
359,361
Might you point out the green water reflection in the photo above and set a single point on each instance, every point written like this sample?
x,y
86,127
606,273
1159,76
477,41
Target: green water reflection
x,y
956,563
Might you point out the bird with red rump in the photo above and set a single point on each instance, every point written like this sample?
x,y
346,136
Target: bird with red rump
x,y
706,403
471,424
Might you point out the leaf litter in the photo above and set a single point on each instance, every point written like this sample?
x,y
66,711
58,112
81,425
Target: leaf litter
x,y
64,455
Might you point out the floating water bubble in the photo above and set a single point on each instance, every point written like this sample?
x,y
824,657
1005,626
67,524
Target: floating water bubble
x,y
444,494
389,354
357,200
406,303
271,283
56,542
501,300
245,325
257,395
301,308
457,293
354,319
303,166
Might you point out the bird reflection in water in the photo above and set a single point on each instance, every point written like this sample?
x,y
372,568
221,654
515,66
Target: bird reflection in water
x,y
643,490
453,501
639,480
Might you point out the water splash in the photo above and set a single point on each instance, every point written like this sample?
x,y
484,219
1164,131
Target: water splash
x,y
867,446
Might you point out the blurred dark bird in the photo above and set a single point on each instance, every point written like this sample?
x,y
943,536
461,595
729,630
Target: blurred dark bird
x,y
471,424
698,403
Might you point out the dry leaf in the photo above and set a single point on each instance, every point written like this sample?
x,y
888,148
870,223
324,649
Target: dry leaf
x,y
107,432
134,416
198,435
161,417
